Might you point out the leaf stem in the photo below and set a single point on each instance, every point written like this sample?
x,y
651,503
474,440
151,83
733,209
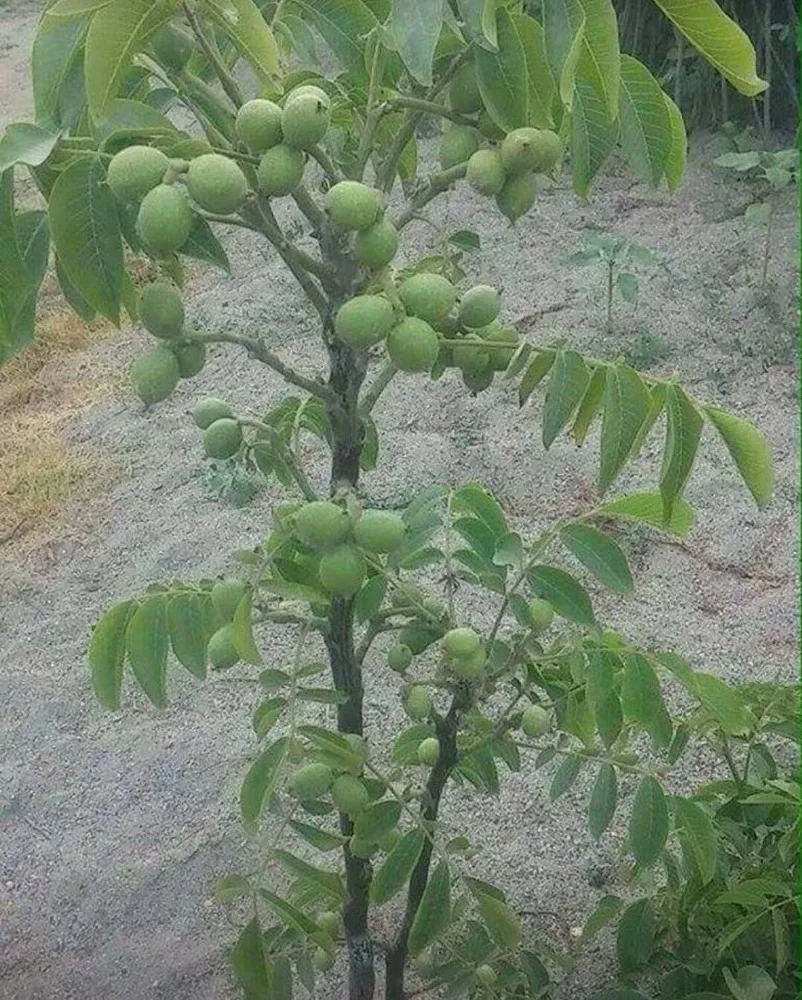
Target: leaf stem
x,y
227,81
371,395
436,185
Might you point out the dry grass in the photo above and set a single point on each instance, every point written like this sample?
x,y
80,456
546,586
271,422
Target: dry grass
x,y
40,391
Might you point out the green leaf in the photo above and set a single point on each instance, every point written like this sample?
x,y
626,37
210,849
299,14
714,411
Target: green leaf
x,y
648,824
293,591
117,31
646,134
56,52
325,881
781,939
465,239
537,975
749,450
244,24
203,245
377,819
414,29
697,835
480,21
86,235
636,937
567,596
501,923
74,299
186,624
509,550
719,39
607,909
627,284
248,961
288,914
683,431
320,839
16,285
627,404
603,800
642,699
502,76
267,715
243,630
405,745
647,508
107,654
257,788
589,407
751,983
323,696
565,775
599,554
146,641
333,746
397,868
541,83
25,143
717,697
567,385
534,375
344,24
476,500
593,136
599,61
678,149
564,29
620,993
434,911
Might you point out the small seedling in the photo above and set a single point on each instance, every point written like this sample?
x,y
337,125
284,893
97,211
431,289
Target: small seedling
x,y
773,172
618,255
649,350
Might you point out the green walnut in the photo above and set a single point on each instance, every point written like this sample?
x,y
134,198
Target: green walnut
x,y
471,360
517,196
418,702
430,297
311,781
208,410
134,171
280,170
322,960
217,184
463,91
519,152
379,531
376,246
352,205
457,145
399,657
413,345
222,650
349,794
258,125
307,88
342,571
461,642
486,975
429,751
165,219
389,840
362,848
541,614
364,321
468,667
305,120
191,358
479,306
485,172
161,310
226,596
321,524
223,438
155,375
535,721
330,922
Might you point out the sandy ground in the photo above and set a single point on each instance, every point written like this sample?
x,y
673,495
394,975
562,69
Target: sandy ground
x,y
115,826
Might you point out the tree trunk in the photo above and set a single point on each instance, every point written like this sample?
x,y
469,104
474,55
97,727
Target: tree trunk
x,y
347,374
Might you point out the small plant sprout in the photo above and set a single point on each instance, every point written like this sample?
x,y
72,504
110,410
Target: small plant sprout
x,y
773,173
619,256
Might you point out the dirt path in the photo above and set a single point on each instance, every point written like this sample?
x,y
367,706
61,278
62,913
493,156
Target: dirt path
x,y
114,826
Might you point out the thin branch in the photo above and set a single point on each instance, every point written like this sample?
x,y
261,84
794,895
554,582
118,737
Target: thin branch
x,y
377,387
229,220
372,111
431,108
373,632
259,350
307,204
227,81
437,184
329,169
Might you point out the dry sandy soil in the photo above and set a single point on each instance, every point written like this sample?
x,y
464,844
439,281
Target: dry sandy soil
x,y
115,826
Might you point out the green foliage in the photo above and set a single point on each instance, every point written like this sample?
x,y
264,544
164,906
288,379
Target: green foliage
x,y
543,685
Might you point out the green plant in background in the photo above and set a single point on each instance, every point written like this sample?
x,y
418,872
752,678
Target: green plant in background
x,y
373,598
648,351
617,255
772,173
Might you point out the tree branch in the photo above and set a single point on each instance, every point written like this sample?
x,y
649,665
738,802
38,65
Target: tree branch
x,y
259,350
319,153
371,395
227,81
431,108
307,204
436,185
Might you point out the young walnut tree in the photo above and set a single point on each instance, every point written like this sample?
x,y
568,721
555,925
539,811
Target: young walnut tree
x,y
353,817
